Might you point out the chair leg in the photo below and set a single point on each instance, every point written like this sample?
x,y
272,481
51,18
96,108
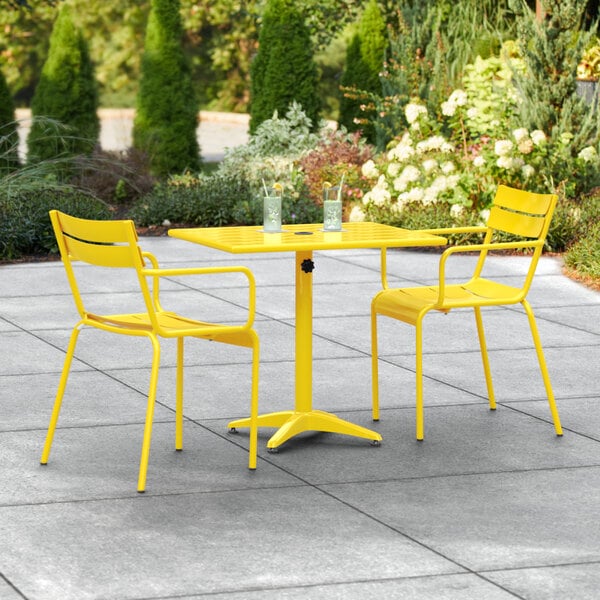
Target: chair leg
x,y
485,359
419,376
179,397
543,367
149,414
253,449
374,366
60,393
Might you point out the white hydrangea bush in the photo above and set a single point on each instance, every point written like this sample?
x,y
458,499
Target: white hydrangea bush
x,y
451,162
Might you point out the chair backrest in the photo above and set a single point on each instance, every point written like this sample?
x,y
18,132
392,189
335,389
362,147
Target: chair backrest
x,y
524,215
99,243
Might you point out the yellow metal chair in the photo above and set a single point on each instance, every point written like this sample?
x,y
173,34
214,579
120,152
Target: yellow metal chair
x,y
524,215
114,244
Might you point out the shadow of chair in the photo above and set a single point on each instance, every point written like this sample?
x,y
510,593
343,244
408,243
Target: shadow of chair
x,y
525,217
114,244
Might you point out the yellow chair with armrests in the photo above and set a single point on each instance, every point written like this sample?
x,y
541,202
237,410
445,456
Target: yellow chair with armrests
x,y
524,215
114,244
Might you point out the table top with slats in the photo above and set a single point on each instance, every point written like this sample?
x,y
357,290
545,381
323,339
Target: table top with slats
x,y
295,238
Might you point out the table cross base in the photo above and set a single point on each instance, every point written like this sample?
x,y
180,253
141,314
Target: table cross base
x,y
292,422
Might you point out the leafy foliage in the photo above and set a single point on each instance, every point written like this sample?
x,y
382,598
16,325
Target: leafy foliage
x,y
272,153
431,42
25,227
364,60
584,255
9,138
167,110
337,154
284,69
548,93
117,178
67,94
203,201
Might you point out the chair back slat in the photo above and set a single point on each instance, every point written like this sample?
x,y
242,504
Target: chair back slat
x,y
101,255
521,213
518,224
107,232
100,243
522,201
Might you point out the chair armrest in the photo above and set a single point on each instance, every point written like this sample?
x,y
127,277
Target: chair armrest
x,y
477,248
156,273
449,230
436,231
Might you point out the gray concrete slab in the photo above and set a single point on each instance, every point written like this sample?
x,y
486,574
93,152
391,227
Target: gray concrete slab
x,y
512,520
25,353
458,440
440,587
103,462
201,543
549,583
490,505
91,399
456,331
515,373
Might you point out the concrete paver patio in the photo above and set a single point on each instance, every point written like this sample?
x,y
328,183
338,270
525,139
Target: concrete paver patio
x,y
492,505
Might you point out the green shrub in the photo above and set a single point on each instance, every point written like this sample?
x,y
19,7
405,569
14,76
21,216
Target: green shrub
x,y
25,227
552,49
364,62
9,138
584,255
118,178
167,109
284,69
203,201
273,152
337,154
66,97
565,226
293,210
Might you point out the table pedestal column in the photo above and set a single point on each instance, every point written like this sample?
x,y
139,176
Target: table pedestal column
x,y
303,417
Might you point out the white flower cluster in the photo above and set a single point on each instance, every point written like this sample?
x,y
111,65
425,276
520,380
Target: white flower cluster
x,y
435,142
416,171
369,170
457,98
588,154
380,194
413,112
524,143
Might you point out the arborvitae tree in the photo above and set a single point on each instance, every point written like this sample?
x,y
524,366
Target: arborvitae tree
x,y
167,109
552,48
9,138
364,63
284,68
352,97
67,94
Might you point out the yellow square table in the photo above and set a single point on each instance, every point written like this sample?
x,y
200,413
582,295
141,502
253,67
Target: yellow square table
x,y
303,240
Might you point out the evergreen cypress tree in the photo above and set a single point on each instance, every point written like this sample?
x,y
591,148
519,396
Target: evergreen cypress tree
x,y
552,48
364,62
167,109
284,68
355,72
67,93
9,138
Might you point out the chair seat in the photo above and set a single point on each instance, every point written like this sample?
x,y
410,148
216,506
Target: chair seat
x,y
175,325
405,304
